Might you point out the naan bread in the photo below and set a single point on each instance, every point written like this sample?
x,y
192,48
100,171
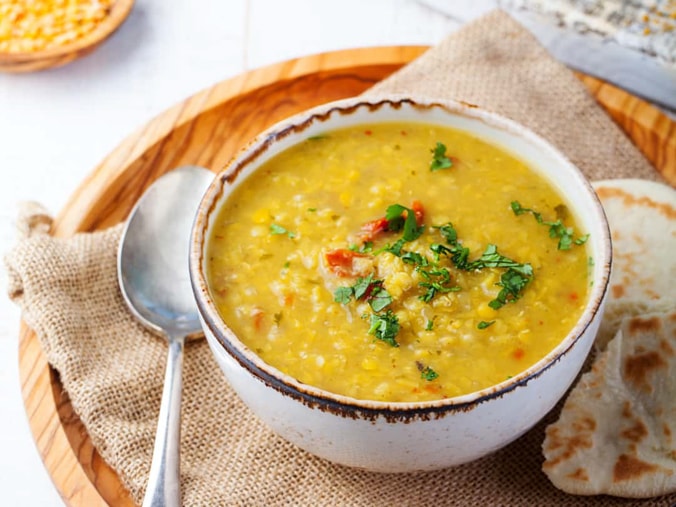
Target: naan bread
x,y
616,434
642,218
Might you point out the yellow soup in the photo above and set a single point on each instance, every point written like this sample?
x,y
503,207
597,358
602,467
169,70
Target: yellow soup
x,y
398,262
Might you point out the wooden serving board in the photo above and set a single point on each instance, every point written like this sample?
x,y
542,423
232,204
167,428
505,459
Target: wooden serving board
x,y
207,129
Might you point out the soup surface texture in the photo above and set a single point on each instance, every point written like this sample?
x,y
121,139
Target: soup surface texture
x,y
397,262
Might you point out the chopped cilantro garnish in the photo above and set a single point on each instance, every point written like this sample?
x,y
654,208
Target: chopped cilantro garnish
x,y
395,248
396,222
380,299
492,259
437,281
312,210
385,327
439,158
449,233
512,283
582,240
414,258
430,324
318,137
342,295
556,229
368,289
278,318
362,286
278,229
367,246
483,324
427,373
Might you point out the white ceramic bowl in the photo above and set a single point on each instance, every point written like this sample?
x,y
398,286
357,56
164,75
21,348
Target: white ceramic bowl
x,y
403,437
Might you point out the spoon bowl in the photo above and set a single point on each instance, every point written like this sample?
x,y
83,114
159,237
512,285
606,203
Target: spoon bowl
x,y
155,283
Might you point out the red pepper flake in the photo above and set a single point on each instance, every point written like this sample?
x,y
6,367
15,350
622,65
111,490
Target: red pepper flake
x,y
404,133
518,353
573,296
257,316
368,132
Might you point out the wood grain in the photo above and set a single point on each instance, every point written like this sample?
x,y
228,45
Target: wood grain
x,y
207,129
56,57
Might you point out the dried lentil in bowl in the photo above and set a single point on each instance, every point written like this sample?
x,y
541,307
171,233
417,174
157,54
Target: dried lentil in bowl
x,y
45,24
398,262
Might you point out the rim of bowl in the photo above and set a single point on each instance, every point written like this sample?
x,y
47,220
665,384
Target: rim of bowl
x,y
312,395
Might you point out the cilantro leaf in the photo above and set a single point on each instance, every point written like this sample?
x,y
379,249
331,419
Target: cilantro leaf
x,y
427,373
492,259
414,258
437,281
361,286
439,158
449,233
385,327
343,295
483,324
379,299
366,288
512,282
278,229
556,228
396,222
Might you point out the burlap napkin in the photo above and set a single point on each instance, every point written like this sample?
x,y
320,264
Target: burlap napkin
x,y
113,369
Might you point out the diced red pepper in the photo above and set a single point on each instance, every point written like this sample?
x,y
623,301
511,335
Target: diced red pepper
x,y
419,211
370,230
341,261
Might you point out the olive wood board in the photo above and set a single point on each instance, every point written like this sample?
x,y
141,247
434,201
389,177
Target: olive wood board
x,y
207,129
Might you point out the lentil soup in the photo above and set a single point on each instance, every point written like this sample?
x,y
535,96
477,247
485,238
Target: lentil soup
x,y
397,262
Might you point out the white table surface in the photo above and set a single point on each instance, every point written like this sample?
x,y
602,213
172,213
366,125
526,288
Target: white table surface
x,y
57,125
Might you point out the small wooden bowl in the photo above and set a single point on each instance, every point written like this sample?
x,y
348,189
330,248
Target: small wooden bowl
x,y
55,57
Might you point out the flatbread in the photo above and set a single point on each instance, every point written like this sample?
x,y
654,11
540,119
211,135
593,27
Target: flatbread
x,y
642,218
616,433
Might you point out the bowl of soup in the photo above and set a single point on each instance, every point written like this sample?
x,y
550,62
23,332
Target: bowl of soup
x,y
400,284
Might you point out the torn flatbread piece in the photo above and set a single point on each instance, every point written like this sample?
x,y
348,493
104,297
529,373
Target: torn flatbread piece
x,y
616,433
642,218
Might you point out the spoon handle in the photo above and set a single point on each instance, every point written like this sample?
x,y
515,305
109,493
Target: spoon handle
x,y
164,483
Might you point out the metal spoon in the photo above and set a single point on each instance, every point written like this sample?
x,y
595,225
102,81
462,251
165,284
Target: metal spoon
x,y
152,268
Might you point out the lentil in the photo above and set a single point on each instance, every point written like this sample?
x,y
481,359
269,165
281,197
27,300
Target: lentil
x,y
36,25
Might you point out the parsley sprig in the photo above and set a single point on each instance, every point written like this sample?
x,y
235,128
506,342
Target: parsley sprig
x,y
556,228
